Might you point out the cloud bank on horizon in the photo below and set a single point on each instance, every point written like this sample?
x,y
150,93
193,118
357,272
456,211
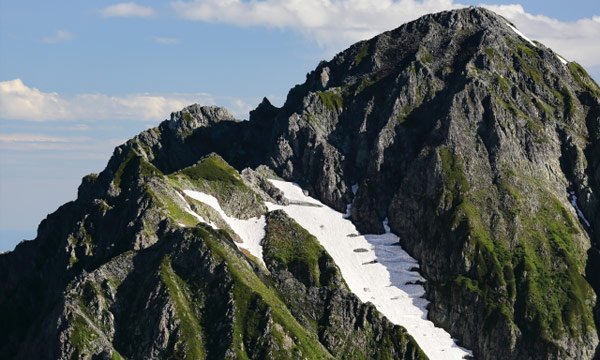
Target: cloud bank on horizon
x,y
335,24
21,102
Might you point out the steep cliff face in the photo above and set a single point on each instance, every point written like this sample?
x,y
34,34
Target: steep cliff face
x,y
480,147
475,143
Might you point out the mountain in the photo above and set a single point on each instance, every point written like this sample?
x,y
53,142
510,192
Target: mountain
x,y
479,148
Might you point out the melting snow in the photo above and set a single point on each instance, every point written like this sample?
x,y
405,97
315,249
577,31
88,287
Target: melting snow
x,y
577,209
375,268
521,34
251,231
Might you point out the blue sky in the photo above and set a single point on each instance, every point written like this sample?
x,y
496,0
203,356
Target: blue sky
x,y
79,77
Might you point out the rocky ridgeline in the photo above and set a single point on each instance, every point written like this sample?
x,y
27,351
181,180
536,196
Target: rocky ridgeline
x,y
471,140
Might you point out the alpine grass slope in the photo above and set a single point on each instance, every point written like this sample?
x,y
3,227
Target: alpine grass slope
x,y
477,146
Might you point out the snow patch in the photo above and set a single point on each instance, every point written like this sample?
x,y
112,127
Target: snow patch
x,y
582,218
251,231
189,210
376,269
521,34
348,214
562,59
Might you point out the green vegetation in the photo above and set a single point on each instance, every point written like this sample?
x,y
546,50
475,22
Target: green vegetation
x,y
213,168
487,276
552,293
365,83
214,176
187,117
491,52
252,296
190,331
132,164
312,119
583,78
170,208
425,56
331,99
456,181
568,101
526,49
362,54
529,62
536,283
404,112
502,83
288,245
82,335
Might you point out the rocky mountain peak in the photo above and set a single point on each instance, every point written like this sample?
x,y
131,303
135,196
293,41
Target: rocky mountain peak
x,y
478,147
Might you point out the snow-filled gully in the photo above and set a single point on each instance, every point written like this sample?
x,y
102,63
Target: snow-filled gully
x,y
251,231
375,267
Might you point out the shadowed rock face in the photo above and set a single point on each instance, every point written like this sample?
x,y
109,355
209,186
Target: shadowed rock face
x,y
469,139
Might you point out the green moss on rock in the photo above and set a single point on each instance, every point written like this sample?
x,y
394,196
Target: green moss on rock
x,y
190,331
247,287
534,281
214,176
289,246
362,54
331,99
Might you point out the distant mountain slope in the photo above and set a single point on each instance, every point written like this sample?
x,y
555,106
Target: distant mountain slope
x,y
481,147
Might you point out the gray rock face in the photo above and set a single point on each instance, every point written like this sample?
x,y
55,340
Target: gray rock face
x,y
471,141
468,139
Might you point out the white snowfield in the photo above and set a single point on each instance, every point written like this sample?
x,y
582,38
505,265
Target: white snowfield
x,y
375,268
251,231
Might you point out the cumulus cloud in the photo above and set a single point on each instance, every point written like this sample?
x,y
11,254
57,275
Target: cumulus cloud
x,y
128,9
21,102
58,37
575,40
335,24
331,23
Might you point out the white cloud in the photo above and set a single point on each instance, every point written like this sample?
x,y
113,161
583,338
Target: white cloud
x,y
575,40
58,37
128,9
38,138
21,102
335,24
163,40
241,108
331,23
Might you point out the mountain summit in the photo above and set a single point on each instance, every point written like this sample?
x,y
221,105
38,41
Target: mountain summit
x,y
450,167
